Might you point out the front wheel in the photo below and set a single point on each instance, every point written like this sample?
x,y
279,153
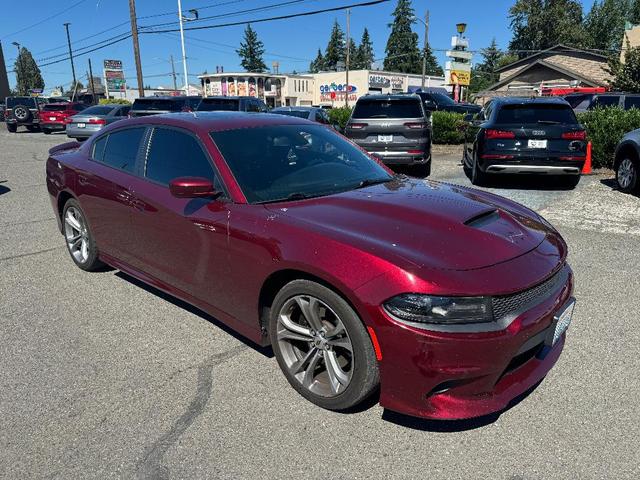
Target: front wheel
x,y
569,181
322,346
421,170
627,175
80,242
46,131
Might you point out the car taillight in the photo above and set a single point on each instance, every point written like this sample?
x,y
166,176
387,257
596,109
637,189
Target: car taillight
x,y
577,135
66,119
357,126
97,121
415,125
491,134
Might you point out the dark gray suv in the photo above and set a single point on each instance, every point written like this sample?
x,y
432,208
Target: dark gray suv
x,y
395,128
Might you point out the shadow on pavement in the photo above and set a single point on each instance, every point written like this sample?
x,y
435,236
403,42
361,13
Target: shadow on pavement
x,y
528,182
266,351
449,426
3,189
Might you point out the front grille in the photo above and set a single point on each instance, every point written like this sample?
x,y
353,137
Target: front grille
x,y
514,304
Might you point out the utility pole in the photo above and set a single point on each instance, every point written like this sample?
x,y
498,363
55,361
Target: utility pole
x,y
346,93
136,46
73,68
426,44
93,90
173,73
184,54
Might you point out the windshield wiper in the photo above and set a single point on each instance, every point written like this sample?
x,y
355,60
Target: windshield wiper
x,y
289,198
372,181
549,122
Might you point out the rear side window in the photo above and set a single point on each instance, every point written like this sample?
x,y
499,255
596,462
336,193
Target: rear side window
x,y
212,105
606,101
575,100
396,108
631,102
124,111
98,148
535,113
121,149
174,154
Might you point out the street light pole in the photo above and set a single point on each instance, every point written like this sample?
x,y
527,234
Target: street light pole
x,y
73,68
184,55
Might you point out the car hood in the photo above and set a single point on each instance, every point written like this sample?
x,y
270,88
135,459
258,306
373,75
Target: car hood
x,y
425,224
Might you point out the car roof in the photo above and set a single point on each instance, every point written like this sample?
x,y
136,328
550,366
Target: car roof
x,y
527,101
295,109
390,96
209,121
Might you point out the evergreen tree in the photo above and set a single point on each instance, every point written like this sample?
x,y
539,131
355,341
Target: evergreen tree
x,y
402,53
483,75
364,55
432,65
318,64
251,51
28,74
604,25
542,24
626,76
353,54
335,51
634,12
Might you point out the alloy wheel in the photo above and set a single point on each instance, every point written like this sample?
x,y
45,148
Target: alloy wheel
x,y
315,345
76,234
626,173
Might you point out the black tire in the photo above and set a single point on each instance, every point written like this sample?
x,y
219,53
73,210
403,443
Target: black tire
x,y
91,263
22,113
478,177
421,170
569,181
364,374
46,131
33,128
627,174
12,127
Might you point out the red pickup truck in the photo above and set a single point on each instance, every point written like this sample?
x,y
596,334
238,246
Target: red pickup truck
x,y
55,116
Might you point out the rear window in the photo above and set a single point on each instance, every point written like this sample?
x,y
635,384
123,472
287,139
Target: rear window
x,y
535,113
604,101
98,110
215,104
631,102
26,101
575,100
292,113
158,104
396,108
56,107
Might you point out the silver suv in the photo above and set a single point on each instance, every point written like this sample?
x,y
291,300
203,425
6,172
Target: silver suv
x,y
395,128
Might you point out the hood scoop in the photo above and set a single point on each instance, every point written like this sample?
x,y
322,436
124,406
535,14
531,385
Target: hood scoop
x,y
483,219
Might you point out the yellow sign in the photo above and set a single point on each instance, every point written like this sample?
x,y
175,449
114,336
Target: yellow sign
x,y
459,77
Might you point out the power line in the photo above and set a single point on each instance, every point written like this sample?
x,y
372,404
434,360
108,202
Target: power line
x,y
40,22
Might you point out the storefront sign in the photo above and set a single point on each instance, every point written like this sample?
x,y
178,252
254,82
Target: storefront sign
x,y
459,77
338,88
383,81
113,64
114,76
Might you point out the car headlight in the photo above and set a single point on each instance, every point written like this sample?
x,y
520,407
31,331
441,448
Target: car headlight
x,y
417,308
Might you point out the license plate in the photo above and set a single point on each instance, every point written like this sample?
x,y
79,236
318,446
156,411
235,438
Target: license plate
x,y
537,144
385,138
81,125
52,118
564,319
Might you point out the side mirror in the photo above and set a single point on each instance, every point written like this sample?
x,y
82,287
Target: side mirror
x,y
469,117
430,105
192,187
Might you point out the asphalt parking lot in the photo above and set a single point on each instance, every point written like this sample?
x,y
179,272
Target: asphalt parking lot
x,y
101,377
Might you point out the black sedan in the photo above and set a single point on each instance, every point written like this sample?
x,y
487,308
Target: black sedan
x,y
539,136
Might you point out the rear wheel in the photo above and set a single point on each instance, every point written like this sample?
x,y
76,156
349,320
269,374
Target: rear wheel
x,y
627,175
478,177
33,128
12,127
80,242
46,131
322,346
569,181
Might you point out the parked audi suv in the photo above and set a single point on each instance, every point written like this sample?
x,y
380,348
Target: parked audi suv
x,y
539,136
293,236
395,128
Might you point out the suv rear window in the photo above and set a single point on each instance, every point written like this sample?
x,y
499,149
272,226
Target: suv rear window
x,y
160,104
26,101
56,107
215,104
388,108
535,113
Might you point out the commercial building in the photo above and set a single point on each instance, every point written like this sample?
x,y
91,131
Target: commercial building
x,y
325,88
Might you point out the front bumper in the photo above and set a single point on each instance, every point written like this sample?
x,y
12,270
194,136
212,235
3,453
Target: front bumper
x,y
449,376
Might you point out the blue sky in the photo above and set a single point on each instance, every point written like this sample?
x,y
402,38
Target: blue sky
x,y
292,42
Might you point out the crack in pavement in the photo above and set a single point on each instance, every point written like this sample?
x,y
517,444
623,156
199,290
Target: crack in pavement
x,y
151,467
32,253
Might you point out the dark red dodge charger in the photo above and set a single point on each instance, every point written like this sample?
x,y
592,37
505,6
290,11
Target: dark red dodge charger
x,y
452,300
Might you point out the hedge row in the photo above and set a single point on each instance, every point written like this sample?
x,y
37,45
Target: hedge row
x,y
447,128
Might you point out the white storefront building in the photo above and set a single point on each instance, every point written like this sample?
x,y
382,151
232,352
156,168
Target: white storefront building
x,y
326,88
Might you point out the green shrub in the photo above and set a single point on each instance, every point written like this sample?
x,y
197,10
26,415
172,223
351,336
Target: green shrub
x,y
119,101
447,128
340,116
605,128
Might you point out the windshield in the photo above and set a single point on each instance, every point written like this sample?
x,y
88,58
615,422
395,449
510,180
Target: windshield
x,y
291,162
536,113
218,104
442,99
292,113
158,104
388,108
